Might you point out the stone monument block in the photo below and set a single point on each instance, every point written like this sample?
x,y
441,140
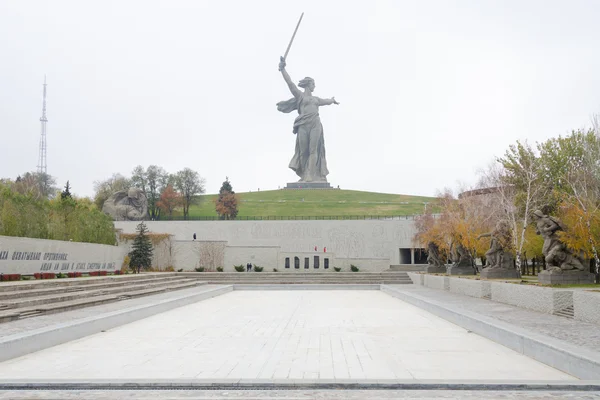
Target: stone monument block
x,y
500,273
565,277
432,269
460,270
308,185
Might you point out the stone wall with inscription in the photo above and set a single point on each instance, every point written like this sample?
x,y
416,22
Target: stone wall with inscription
x,y
372,244
27,256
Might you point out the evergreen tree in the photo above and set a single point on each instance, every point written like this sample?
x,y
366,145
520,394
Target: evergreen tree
x,y
226,203
67,192
141,251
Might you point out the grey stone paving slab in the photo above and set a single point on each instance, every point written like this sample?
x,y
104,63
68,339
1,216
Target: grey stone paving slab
x,y
297,395
571,331
301,336
28,324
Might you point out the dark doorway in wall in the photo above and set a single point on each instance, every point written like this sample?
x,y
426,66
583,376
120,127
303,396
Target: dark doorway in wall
x,y
316,263
287,262
296,262
405,256
325,263
306,260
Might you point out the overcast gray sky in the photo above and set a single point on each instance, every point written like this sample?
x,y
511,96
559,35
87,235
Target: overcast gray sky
x,y
430,91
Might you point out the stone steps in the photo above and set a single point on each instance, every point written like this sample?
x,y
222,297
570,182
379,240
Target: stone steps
x,y
32,306
82,281
303,278
55,287
19,302
568,312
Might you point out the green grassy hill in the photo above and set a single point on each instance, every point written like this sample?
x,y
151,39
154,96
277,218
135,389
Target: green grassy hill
x,y
307,203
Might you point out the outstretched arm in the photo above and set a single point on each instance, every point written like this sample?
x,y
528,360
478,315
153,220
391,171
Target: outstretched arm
x,y
327,102
286,77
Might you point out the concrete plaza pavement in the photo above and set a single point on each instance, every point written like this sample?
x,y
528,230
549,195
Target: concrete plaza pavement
x,y
297,335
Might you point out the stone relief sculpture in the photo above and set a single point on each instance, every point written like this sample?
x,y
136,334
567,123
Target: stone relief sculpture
x,y
461,256
130,205
309,161
558,256
498,256
434,258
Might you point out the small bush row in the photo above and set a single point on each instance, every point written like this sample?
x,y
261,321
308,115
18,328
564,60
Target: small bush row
x,y
10,277
98,273
44,275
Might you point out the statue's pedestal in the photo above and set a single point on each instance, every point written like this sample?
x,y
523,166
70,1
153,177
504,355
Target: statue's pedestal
x,y
499,273
559,277
454,270
308,185
435,270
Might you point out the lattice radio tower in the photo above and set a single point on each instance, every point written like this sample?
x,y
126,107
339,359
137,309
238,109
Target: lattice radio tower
x,y
42,167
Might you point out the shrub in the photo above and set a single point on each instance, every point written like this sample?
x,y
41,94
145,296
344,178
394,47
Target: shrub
x,y
199,269
180,270
125,265
219,269
170,268
10,277
353,268
258,269
61,275
239,268
98,273
75,274
275,270
337,269
44,275
117,272
26,278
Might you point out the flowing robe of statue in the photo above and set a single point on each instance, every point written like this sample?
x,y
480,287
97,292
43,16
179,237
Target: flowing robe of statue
x,y
309,161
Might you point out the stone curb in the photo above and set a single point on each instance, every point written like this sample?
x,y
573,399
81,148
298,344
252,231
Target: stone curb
x,y
574,360
19,344
308,286
291,384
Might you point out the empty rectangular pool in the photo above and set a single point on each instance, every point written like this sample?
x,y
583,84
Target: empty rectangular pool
x,y
301,334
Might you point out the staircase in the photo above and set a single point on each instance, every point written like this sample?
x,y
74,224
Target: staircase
x,y
568,312
274,278
26,299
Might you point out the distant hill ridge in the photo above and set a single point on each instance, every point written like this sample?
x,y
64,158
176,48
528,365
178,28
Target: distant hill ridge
x,y
306,203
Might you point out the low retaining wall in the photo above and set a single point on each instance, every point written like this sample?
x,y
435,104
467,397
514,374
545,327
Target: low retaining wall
x,y
541,299
470,287
586,306
27,256
536,298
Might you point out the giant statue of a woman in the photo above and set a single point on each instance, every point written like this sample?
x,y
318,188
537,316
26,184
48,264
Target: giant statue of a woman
x,y
309,159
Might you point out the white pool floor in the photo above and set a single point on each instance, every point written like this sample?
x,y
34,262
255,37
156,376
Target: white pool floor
x,y
284,335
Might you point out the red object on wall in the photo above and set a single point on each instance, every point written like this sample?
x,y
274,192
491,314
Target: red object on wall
x,y
315,248
324,249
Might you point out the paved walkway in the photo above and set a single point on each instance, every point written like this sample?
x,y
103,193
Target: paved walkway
x,y
306,335
28,324
297,395
568,330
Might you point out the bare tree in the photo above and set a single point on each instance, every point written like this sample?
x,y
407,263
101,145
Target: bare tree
x,y
520,189
189,184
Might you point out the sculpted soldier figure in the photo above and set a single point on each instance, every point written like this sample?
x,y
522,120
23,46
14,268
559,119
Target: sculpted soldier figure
x,y
497,256
309,161
558,256
433,255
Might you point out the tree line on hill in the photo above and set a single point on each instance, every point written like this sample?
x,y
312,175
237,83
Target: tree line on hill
x,y
167,193
560,177
31,206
